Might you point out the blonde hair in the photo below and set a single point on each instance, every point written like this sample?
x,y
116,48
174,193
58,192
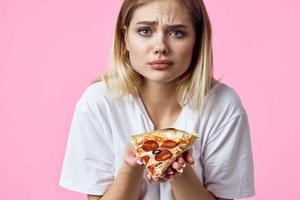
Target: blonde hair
x,y
193,85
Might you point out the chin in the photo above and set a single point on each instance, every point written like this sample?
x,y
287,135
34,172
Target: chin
x,y
159,79
160,76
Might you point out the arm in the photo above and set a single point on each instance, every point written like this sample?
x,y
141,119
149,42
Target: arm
x,y
184,182
188,183
93,197
126,185
128,180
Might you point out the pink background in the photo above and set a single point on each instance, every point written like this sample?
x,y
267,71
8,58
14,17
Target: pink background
x,y
51,50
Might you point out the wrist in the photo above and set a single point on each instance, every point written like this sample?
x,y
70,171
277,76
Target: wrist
x,y
187,174
127,168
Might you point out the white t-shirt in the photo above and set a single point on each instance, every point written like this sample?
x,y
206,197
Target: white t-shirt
x,y
101,127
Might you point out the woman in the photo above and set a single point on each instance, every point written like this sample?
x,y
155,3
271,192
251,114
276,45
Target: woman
x,y
160,76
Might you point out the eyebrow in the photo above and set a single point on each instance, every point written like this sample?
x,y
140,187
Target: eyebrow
x,y
169,25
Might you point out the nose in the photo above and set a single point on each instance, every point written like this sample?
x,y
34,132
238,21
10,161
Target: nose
x,y
161,47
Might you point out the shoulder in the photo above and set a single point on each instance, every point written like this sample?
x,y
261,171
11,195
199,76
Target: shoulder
x,y
223,101
95,96
227,96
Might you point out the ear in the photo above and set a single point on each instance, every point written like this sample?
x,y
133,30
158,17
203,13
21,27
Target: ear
x,y
125,31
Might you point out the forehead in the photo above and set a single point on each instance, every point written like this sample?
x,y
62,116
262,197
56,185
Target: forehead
x,y
162,12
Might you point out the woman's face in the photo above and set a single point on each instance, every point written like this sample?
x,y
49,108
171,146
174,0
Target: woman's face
x,y
160,31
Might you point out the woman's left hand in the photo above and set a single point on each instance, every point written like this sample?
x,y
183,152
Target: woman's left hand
x,y
176,169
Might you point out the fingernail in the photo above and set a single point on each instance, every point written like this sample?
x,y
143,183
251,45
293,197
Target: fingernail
x,y
139,162
180,170
183,165
170,172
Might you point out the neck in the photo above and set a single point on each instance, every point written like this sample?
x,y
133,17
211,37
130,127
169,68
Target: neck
x,y
160,101
158,93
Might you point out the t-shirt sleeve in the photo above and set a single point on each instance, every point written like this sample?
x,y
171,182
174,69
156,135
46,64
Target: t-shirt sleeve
x,y
227,160
88,165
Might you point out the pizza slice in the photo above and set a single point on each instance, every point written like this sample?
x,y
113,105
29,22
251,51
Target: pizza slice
x,y
160,148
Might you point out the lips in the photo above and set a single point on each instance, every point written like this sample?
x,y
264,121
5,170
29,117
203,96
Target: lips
x,y
160,64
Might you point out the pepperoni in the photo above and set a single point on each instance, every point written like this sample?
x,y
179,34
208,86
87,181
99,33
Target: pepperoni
x,y
150,145
145,159
169,144
151,169
163,155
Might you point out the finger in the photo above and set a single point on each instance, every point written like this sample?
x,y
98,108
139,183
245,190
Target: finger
x,y
177,174
130,148
166,177
177,167
190,160
131,161
163,179
188,157
139,161
155,179
169,171
130,157
134,161
149,177
181,161
172,176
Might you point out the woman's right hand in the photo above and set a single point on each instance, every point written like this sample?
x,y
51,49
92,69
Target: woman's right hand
x,y
130,158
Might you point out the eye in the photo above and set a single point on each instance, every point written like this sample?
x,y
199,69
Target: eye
x,y
144,31
177,34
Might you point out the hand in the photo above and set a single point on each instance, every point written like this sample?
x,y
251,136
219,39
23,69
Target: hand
x,y
176,169
130,158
